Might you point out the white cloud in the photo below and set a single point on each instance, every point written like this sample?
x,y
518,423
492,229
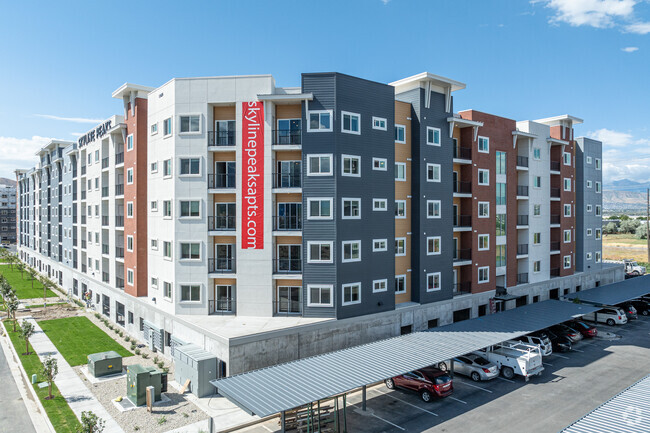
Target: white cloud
x,y
611,138
624,155
630,49
385,1
19,153
76,134
597,13
641,28
69,119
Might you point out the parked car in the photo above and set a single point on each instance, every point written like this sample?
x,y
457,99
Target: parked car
x,y
642,307
561,343
538,339
429,382
573,335
629,309
610,315
587,330
476,367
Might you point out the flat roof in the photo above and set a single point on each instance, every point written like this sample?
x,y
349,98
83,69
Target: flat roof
x,y
615,293
285,386
627,411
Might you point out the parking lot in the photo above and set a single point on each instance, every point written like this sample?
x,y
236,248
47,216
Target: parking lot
x,y
571,385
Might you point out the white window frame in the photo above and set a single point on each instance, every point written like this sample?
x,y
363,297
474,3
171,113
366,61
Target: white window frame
x,y
180,162
129,238
487,270
379,127
398,240
589,184
540,238
319,112
434,275
589,160
403,127
564,184
484,236
168,121
180,251
154,206
351,114
376,249
329,287
189,301
564,210
319,199
129,142
486,175
589,232
331,245
589,208
189,200
598,187
598,164
381,202
131,272
129,204
129,174
400,277
343,287
566,155
439,202
374,285
598,210
433,143
320,155
154,244
537,210
343,216
180,117
537,264
400,164
343,158
537,154
434,238
380,161
154,167
487,205
431,165
153,128
343,245
566,236
564,262
396,207
588,256
478,144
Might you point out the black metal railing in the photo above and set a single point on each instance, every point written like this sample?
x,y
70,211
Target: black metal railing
x,y
522,190
555,272
522,278
555,192
522,249
221,180
104,249
522,161
105,162
555,219
119,158
462,254
104,220
522,220
555,165
464,288
119,252
555,246
462,187
221,138
462,220
119,220
462,153
221,265
286,137
288,222
222,222
286,180
286,307
221,306
119,189
287,266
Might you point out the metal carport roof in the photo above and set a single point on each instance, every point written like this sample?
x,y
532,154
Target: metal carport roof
x,y
615,293
285,386
625,412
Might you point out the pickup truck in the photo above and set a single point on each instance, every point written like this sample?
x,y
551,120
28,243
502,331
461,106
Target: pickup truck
x,y
514,358
540,340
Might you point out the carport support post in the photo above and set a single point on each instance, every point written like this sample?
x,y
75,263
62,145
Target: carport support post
x,y
283,421
363,395
345,416
451,368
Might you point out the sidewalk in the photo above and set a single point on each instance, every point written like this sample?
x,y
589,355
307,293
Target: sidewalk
x,y
78,396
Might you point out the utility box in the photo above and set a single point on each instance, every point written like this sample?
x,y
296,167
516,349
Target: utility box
x,y
138,378
199,366
104,363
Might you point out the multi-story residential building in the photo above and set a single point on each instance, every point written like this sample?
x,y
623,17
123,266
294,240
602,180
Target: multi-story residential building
x,y
227,211
7,214
589,219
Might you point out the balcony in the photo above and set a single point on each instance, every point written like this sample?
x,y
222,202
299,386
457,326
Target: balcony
x,y
119,158
287,307
119,189
522,161
462,187
119,221
105,249
119,283
555,246
287,266
119,252
522,278
219,223
287,223
104,191
555,166
221,306
462,288
221,181
221,265
522,249
221,139
104,221
462,255
287,180
555,193
464,153
522,220
105,162
522,190
283,137
555,272
555,219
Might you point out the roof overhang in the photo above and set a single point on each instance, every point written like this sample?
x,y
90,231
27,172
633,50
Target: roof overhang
x,y
612,294
558,120
523,134
556,141
127,89
463,123
427,77
280,98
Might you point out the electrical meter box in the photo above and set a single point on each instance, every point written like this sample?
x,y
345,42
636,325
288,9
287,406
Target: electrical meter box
x,y
104,363
138,378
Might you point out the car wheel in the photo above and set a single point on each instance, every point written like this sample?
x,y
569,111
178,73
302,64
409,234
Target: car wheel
x,y
644,312
389,383
610,322
442,366
425,395
475,376
507,372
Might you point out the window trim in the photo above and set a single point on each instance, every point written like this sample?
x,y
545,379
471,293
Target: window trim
x,y
397,126
478,142
434,274
127,243
127,277
321,286
439,209
153,128
343,287
189,200
126,176
319,112
180,288
199,132
180,162
564,262
320,155
349,113
564,236
357,157
478,275
379,128
564,184
397,216
126,209
130,138
395,279
400,239
478,176
381,280
384,160
429,165
331,245
180,249
433,143
379,200
171,125
433,238
564,208
478,246
401,164
343,200
478,210
322,218
376,250
343,244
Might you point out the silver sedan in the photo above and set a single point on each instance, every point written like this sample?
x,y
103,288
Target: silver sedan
x,y
475,367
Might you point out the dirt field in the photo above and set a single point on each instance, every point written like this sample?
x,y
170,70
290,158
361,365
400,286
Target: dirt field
x,y
618,247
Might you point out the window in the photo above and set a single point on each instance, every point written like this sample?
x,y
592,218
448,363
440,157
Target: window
x,y
537,210
501,162
400,134
129,243
351,294
400,283
319,121
589,232
129,209
501,194
483,176
154,129
400,246
379,245
433,282
154,167
190,208
500,256
483,274
351,166
167,167
129,176
433,208
351,251
597,256
319,295
589,208
129,142
433,172
379,123
567,210
537,182
400,171
190,123
567,262
167,208
433,136
433,245
400,209
350,122
130,277
167,249
167,126
483,144
589,160
483,242
598,234
190,166
319,165
351,208
379,204
154,244
597,187
154,205
537,153
319,252
537,266
96,183
597,210
567,236
501,224
566,158
319,208
190,292
379,286
567,184
589,184
588,256
597,163
167,290
97,156
483,209
190,251
537,238
379,164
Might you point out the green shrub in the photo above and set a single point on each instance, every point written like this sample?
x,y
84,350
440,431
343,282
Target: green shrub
x,y
97,316
127,338
137,351
161,364
145,356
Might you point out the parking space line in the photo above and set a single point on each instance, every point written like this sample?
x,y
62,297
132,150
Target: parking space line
x,y
384,420
507,380
578,350
547,363
561,356
272,431
458,400
406,402
474,386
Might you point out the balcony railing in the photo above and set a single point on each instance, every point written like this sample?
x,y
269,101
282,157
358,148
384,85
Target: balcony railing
x,y
462,187
284,137
222,223
522,220
522,278
462,221
522,161
286,180
221,265
119,189
555,192
462,254
105,162
119,252
105,249
555,246
289,222
555,272
221,138
216,181
119,221
286,307
555,219
462,288
119,282
287,266
522,190
104,220
522,249
104,191
119,158
555,166
462,153
221,306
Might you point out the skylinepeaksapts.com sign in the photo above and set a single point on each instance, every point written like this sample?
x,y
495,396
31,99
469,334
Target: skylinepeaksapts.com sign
x,y
253,175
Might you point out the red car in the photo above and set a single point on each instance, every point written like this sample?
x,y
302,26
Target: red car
x,y
429,382
587,330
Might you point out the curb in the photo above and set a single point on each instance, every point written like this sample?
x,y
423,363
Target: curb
x,y
39,417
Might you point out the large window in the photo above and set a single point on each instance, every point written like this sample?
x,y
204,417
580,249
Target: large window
x,y
351,165
433,245
190,166
501,162
190,292
190,208
501,224
433,208
190,251
319,208
500,256
501,194
483,144
433,282
320,121
319,165
433,172
190,123
400,171
351,251
225,214
400,133
288,299
350,122
319,252
319,295
433,136
351,293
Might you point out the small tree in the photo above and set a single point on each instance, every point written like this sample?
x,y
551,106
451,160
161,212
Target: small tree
x,y
90,423
32,274
50,370
26,332
21,267
610,228
641,232
12,306
629,226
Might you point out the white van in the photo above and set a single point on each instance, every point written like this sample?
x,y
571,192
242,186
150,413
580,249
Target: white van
x,y
610,315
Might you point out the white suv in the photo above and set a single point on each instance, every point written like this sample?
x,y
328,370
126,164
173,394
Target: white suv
x,y
610,315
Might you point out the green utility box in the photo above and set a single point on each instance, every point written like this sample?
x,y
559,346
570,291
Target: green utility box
x,y
138,378
104,363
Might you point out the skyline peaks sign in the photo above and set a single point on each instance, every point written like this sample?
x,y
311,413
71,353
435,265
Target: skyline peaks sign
x,y
252,175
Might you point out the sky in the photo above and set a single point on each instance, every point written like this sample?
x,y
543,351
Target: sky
x,y
520,59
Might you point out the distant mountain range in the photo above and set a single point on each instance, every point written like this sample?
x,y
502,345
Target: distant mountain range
x,y
5,181
625,195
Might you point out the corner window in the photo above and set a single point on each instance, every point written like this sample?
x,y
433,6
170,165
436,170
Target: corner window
x,y
483,274
129,142
190,208
319,208
319,121
379,285
379,204
433,208
483,176
484,145
433,136
379,245
190,292
433,245
167,126
319,252
351,251
350,122
190,166
400,134
483,242
190,123
400,246
400,209
400,171
433,282
350,165
319,165
379,164
351,208
433,172
379,123
351,294
319,295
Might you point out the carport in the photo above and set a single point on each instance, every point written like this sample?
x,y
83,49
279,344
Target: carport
x,y
307,382
615,293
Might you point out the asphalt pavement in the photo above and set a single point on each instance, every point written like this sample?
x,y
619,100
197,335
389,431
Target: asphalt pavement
x,y
13,413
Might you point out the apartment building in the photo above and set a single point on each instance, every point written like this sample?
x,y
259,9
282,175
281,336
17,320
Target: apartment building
x,y
7,214
589,219
344,210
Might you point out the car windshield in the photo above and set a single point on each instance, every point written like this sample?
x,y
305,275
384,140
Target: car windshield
x,y
481,361
440,380
580,325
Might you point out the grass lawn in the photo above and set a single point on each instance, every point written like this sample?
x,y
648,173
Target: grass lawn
x,y
57,409
23,285
78,337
